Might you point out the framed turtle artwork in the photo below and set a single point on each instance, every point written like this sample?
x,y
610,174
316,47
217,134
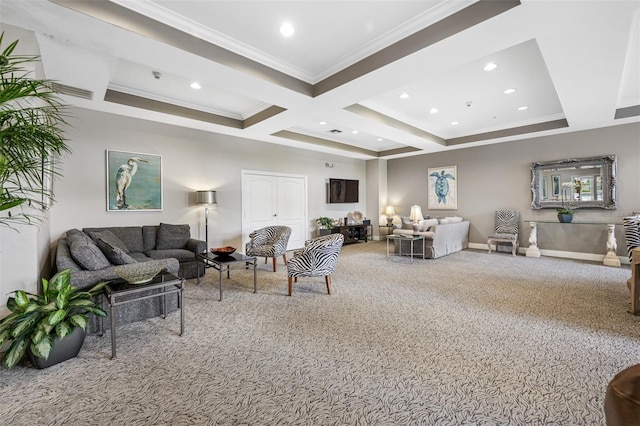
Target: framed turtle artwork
x,y
442,188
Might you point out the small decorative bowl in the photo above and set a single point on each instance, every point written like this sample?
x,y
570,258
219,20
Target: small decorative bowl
x,y
138,273
223,251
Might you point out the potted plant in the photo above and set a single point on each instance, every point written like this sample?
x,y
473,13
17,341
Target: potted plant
x,y
325,225
31,137
44,325
565,214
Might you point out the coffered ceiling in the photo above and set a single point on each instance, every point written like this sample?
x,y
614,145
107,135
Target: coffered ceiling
x,y
335,85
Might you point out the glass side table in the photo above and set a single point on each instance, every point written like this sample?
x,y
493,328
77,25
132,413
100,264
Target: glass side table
x,y
120,292
403,237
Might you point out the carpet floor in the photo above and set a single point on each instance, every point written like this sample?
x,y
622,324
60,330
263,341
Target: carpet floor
x,y
468,339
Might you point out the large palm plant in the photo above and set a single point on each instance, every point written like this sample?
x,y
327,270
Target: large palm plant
x,y
31,137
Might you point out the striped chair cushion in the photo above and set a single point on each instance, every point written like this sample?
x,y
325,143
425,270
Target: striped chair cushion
x,y
631,226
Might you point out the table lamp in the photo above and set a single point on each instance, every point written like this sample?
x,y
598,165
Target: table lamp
x,y
389,211
416,216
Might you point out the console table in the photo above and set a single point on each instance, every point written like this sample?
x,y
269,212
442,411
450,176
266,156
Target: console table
x,y
353,233
610,259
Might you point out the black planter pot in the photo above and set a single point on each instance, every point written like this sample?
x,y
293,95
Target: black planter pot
x,y
565,218
62,350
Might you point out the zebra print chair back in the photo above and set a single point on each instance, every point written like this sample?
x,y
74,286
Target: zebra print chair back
x,y
318,259
507,229
631,226
271,241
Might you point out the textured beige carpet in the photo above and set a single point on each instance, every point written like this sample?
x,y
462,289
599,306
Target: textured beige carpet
x,y
468,339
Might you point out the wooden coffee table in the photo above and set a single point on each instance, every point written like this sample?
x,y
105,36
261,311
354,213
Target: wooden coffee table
x,y
225,263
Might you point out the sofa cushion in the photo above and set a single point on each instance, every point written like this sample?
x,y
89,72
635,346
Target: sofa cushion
x,y
182,255
172,236
425,225
75,234
131,236
110,238
139,256
149,237
116,255
87,254
406,222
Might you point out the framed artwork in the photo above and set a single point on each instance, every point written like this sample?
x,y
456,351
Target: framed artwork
x,y
134,181
443,188
555,186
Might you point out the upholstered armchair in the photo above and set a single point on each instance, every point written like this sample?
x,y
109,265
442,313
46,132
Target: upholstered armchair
x,y
268,242
507,228
318,259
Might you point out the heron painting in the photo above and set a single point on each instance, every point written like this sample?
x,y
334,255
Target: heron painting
x,y
134,181
442,188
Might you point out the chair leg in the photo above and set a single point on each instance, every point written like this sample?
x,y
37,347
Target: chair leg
x,y
290,279
489,244
328,281
284,256
275,264
513,250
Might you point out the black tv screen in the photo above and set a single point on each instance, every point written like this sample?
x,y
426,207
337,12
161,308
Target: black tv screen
x,y
343,191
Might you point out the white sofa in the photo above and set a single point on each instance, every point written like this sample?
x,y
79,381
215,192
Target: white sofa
x,y
442,236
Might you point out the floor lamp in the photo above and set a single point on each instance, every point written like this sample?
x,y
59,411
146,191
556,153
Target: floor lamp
x,y
206,199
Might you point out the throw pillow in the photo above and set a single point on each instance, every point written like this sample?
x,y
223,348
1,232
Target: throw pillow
x,y
406,222
88,255
425,225
109,237
115,254
172,236
444,221
454,219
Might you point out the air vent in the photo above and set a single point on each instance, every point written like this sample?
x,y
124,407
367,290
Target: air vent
x,y
335,131
72,91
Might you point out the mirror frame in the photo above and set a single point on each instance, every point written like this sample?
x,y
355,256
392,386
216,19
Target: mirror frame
x,y
608,201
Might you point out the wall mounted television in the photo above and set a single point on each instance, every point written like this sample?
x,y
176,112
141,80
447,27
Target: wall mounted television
x,y
343,191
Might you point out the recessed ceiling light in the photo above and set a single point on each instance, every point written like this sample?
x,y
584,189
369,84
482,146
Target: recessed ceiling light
x,y
379,139
433,111
322,123
454,123
509,91
490,66
287,30
522,108
196,85
405,95
354,132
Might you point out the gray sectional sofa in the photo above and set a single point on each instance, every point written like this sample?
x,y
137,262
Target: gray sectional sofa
x,y
442,236
93,253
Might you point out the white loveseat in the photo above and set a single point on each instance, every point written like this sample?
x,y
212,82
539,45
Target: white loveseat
x,y
442,236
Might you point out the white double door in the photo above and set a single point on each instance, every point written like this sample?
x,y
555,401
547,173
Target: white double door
x,y
270,199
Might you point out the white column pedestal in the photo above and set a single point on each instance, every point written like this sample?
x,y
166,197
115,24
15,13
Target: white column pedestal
x,y
611,259
533,250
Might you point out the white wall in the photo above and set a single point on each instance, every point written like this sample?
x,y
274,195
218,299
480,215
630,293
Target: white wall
x,y
191,160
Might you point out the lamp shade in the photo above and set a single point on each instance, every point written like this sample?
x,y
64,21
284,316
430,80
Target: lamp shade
x,y
206,197
416,214
389,211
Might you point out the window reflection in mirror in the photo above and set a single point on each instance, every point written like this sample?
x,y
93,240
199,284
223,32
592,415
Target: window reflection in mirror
x,y
574,183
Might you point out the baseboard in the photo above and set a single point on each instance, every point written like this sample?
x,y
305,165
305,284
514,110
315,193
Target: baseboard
x,y
591,257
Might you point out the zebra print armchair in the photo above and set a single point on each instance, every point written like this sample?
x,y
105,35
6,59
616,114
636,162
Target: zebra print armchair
x,y
631,225
318,259
270,241
507,228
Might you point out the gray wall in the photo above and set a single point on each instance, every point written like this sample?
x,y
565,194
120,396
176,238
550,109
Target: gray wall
x,y
191,160
498,176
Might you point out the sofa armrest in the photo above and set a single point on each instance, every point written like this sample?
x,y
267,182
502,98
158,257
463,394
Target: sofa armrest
x,y
196,246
